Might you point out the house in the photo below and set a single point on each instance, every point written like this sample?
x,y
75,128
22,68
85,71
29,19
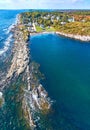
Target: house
x,y
48,15
83,20
63,23
30,24
71,19
42,26
30,29
45,17
57,18
36,23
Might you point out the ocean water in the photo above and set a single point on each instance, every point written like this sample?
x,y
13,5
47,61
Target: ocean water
x,y
66,65
10,112
7,19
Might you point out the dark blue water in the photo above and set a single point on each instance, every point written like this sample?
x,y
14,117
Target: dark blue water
x,y
66,65
7,18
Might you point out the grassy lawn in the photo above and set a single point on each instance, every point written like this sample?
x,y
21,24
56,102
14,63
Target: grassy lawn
x,y
39,29
51,29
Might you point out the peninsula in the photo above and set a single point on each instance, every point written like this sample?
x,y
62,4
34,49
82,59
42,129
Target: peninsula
x,y
22,72
32,96
73,24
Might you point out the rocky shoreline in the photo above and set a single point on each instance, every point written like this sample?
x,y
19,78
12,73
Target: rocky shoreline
x,y
35,98
78,37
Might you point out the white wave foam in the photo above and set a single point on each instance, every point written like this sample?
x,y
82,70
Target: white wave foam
x,y
8,40
1,94
7,44
5,29
16,21
9,29
12,25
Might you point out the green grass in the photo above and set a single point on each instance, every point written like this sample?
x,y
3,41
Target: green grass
x,y
51,29
39,29
76,28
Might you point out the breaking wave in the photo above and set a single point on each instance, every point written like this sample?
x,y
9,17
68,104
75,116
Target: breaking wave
x,y
6,44
9,39
12,25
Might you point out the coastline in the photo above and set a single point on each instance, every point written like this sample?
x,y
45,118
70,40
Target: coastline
x,y
77,37
9,39
33,96
72,36
36,97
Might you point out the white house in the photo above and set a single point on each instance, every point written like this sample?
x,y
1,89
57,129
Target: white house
x,y
57,18
63,23
71,19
